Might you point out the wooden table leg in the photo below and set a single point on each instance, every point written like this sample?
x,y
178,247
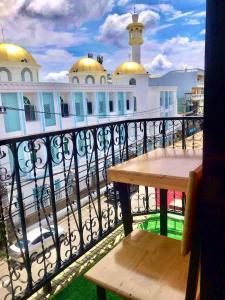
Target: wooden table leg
x,y
101,293
163,212
125,207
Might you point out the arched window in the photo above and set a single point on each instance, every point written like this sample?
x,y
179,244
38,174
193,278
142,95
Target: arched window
x,y
89,79
26,75
132,81
29,109
102,80
5,74
75,79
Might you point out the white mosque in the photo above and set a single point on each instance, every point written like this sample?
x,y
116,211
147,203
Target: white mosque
x,y
88,98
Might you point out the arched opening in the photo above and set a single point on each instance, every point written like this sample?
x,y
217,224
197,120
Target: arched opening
x,y
26,75
5,74
75,79
132,81
29,109
89,79
102,80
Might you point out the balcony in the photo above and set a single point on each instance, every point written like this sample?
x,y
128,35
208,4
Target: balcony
x,y
57,204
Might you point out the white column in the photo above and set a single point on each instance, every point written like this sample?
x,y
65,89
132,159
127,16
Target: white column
x,y
85,106
22,113
57,102
41,108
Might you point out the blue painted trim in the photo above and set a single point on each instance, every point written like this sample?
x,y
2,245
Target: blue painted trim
x,y
40,97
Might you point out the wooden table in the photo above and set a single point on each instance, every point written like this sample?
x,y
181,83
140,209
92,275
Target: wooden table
x,y
161,168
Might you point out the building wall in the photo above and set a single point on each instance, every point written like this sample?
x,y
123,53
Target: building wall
x,y
184,80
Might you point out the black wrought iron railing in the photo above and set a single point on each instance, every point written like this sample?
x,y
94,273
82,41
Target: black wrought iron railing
x,y
56,202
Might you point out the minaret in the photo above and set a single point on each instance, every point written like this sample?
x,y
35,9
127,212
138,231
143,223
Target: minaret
x,y
135,37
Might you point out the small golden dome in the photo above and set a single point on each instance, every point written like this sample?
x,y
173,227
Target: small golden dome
x,y
129,68
88,65
13,53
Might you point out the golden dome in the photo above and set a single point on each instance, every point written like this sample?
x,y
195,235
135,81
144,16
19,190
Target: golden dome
x,y
87,64
129,68
13,53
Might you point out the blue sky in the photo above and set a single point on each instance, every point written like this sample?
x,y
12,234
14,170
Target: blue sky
x,y
58,32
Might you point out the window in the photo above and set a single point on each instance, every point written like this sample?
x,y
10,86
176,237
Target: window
x,y
41,197
102,80
89,108
110,105
170,98
89,79
121,103
65,146
47,111
46,235
29,110
5,74
166,100
132,81
64,108
135,104
101,107
161,98
37,240
70,185
128,104
26,75
33,156
10,100
57,187
75,79
78,108
101,96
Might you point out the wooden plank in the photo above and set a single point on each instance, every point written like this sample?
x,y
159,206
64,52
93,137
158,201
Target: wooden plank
x,y
161,168
146,265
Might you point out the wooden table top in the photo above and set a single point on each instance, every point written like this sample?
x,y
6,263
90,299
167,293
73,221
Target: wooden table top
x,y
161,168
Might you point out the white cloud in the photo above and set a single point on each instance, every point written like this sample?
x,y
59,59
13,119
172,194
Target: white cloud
x,y
122,2
10,7
200,14
202,32
58,77
160,63
113,30
180,14
193,22
34,33
50,7
70,12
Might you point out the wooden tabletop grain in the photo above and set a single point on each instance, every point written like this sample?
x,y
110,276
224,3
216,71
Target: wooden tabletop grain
x,y
161,168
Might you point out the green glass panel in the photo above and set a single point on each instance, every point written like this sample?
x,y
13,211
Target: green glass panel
x,y
79,106
120,103
49,109
101,97
12,117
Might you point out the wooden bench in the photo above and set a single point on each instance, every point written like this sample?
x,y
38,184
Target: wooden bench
x,y
152,267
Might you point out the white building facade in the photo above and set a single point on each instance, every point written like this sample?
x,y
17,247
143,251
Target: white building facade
x,y
30,107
